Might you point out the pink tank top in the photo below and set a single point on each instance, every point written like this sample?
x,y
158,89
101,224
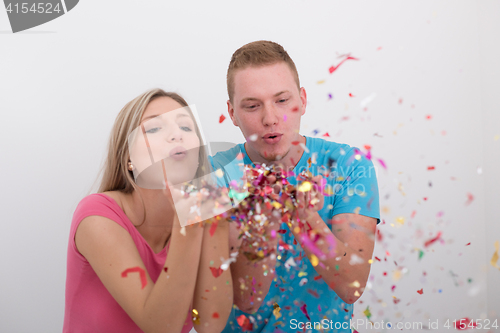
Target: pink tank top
x,y
90,308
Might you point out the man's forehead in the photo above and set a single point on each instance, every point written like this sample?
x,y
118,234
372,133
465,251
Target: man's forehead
x,y
263,81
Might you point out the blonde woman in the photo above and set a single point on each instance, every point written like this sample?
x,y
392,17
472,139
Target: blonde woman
x,y
131,267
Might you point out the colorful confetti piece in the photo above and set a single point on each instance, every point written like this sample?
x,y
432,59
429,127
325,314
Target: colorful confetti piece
x,y
142,274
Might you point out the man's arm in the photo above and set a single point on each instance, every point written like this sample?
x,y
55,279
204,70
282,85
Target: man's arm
x,y
345,266
251,280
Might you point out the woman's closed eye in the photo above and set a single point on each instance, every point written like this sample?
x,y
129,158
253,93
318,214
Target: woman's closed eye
x,y
186,128
153,130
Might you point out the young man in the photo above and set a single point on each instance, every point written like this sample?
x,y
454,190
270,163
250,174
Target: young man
x,y
307,285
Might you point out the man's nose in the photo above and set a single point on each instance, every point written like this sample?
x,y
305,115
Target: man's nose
x,y
270,115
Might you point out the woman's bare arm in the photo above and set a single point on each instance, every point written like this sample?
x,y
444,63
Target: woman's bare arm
x,y
158,307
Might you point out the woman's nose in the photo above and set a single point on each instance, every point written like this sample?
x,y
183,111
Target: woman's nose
x,y
175,135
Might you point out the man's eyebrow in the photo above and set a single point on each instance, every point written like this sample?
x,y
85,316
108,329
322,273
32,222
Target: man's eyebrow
x,y
281,92
256,99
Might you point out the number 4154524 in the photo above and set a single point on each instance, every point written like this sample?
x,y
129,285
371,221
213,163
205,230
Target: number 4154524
x,y
39,8
466,323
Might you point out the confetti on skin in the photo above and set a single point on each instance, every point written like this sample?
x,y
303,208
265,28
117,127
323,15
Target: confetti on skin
x,y
142,274
303,308
196,317
165,269
355,260
432,240
421,291
367,313
253,137
284,117
216,272
315,132
221,118
295,143
334,68
303,146
213,228
244,323
494,257
314,260
215,315
470,198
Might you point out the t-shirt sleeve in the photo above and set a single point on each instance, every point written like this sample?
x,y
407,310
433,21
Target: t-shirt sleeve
x,y
354,185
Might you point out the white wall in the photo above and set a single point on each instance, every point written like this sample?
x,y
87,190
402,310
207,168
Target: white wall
x,y
63,83
490,86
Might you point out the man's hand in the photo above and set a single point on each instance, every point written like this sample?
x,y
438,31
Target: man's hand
x,y
310,198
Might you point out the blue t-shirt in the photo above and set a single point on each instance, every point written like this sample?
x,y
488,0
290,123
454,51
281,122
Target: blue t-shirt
x,y
351,188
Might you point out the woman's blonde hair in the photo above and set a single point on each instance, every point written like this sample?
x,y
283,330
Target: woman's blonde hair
x,y
116,176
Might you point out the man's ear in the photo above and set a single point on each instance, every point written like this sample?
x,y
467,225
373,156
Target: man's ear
x,y
230,110
303,100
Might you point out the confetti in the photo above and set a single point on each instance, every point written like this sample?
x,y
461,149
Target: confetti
x,y
253,137
221,118
244,323
494,257
326,135
314,260
464,323
351,95
431,168
142,274
421,291
303,308
320,81
470,198
432,240
196,317
276,310
367,312
213,227
165,269
215,315
216,272
382,163
334,68
367,100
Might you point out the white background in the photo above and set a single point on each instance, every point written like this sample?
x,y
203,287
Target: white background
x,y
63,83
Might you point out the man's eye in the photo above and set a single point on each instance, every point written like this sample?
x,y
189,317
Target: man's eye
x,y
153,130
186,129
283,100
